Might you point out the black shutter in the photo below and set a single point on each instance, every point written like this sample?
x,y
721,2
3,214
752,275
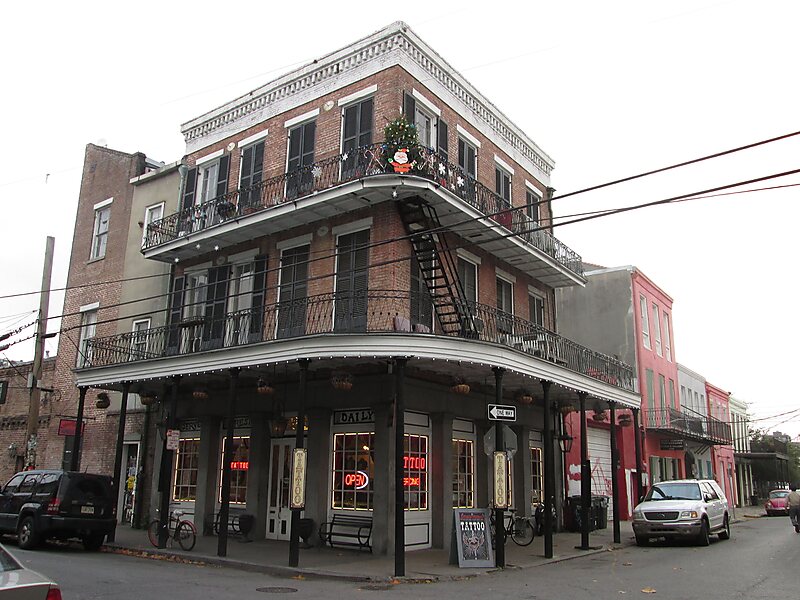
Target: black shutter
x,y
174,316
252,173
216,300
441,134
352,281
189,189
357,133
301,154
293,292
259,291
222,177
421,301
365,122
409,107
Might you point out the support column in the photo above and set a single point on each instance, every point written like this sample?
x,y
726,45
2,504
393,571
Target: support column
x,y
399,489
258,473
208,465
522,472
165,473
586,477
637,444
499,513
441,480
319,453
123,410
614,474
76,442
299,441
224,510
549,471
383,488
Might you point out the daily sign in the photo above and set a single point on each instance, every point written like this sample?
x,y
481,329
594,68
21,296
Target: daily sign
x,y
502,412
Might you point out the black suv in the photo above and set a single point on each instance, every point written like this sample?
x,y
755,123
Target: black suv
x,y
42,504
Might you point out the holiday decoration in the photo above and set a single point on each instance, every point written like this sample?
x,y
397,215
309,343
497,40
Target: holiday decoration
x,y
402,149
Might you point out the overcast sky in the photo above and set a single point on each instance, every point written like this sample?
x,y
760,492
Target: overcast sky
x,y
607,89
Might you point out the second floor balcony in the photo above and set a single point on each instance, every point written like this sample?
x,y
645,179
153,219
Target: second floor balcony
x,y
343,183
371,313
687,424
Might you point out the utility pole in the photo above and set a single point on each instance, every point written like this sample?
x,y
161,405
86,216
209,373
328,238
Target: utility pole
x,y
38,355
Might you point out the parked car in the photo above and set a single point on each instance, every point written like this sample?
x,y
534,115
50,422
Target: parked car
x,y
41,504
685,508
777,503
20,583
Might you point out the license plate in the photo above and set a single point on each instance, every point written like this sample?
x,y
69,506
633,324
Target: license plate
x,y
87,510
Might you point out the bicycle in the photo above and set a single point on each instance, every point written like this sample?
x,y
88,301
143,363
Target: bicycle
x,y
519,529
181,530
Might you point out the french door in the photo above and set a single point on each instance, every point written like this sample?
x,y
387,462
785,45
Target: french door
x,y
279,515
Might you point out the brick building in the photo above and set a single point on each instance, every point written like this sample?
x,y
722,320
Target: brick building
x,y
315,258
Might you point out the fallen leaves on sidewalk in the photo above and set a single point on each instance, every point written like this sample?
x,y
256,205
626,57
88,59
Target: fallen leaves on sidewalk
x,y
648,590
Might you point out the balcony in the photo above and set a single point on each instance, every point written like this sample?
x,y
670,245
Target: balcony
x,y
372,312
687,424
226,219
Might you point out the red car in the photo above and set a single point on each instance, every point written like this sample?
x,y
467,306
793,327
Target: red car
x,y
778,503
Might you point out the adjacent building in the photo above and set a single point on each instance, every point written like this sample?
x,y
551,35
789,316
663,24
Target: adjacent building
x,y
740,431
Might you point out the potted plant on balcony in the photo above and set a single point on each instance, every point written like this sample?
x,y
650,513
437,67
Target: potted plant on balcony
x,y
226,209
401,146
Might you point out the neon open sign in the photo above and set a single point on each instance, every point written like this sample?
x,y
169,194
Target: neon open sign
x,y
358,480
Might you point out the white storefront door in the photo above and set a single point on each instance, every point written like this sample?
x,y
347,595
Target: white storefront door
x,y
278,513
599,444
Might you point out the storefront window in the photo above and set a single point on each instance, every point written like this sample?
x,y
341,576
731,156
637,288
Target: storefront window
x,y
240,464
353,470
185,489
537,483
415,471
463,478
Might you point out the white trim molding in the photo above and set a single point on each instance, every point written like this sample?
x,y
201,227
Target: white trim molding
x,y
208,158
468,256
468,136
533,188
312,114
368,91
505,275
88,307
300,240
346,228
256,137
503,164
103,204
426,103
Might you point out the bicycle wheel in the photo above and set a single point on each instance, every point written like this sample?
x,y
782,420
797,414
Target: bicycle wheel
x,y
522,532
186,535
152,532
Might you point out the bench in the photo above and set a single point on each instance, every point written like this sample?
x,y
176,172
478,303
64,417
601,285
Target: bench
x,y
348,530
234,523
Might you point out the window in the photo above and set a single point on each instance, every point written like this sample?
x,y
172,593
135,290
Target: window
x,y
672,402
186,465
353,471
645,322
299,180
356,132
352,280
657,329
100,232
193,311
13,484
468,276
250,176
683,395
27,486
424,123
151,215
140,333
467,158
463,474
421,300
88,330
662,393
505,306
240,304
240,464
667,343
502,186
415,471
3,391
532,200
650,388
293,291
213,179
537,475
536,304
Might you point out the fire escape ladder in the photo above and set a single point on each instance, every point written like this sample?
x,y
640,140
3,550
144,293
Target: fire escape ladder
x,y
437,267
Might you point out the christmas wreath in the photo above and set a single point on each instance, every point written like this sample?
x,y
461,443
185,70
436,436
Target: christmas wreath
x,y
401,146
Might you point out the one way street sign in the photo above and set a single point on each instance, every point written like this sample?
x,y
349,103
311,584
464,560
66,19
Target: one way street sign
x,y
501,412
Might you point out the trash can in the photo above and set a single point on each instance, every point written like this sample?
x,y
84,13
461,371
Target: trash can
x,y
600,511
572,515
753,500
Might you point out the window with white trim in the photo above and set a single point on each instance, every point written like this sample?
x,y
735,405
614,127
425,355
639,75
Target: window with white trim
x,y
502,185
645,322
532,200
140,334
415,471
505,306
537,474
353,471
667,342
468,276
100,232
88,331
240,464
187,463
463,473
657,329
151,215
467,158
536,304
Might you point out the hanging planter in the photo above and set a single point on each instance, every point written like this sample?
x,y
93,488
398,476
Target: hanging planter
x,y
625,420
147,398
524,396
263,387
103,401
565,409
342,381
599,416
200,395
460,386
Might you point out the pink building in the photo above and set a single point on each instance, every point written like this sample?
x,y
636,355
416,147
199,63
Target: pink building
x,y
724,468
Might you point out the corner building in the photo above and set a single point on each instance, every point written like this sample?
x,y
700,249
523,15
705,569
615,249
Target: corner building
x,y
318,281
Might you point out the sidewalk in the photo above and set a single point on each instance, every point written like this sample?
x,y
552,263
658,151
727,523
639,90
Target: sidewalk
x,y
749,512
272,557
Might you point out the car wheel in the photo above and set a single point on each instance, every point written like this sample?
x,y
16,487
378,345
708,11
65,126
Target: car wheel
x,y
704,539
725,534
27,536
93,542
641,540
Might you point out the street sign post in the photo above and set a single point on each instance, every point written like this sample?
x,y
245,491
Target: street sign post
x,y
502,412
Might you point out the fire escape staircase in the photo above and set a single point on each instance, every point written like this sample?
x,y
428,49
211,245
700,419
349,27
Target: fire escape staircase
x,y
437,268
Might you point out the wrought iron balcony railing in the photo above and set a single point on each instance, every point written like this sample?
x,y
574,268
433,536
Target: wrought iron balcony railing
x,y
357,164
689,424
367,312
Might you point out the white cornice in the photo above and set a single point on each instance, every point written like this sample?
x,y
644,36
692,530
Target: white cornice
x,y
395,45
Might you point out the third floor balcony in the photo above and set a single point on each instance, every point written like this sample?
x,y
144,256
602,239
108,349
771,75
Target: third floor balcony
x,y
687,424
355,180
